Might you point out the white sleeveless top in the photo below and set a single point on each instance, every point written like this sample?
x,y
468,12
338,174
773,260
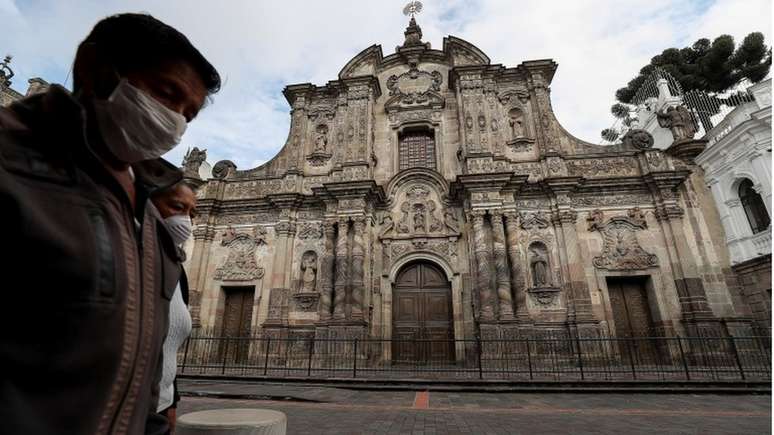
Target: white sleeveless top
x,y
179,329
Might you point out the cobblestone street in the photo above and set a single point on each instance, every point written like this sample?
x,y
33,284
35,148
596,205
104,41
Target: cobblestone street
x,y
325,410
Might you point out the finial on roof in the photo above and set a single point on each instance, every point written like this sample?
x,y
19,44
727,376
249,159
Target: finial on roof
x,y
413,32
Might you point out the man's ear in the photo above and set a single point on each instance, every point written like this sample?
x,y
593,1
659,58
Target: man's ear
x,y
96,77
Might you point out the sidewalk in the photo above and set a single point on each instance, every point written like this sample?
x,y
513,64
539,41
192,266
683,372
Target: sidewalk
x,y
331,410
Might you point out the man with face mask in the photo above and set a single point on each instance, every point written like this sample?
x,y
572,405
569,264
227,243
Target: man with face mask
x,y
93,268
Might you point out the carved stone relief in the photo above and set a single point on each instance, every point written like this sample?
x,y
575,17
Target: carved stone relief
x,y
310,231
241,265
621,250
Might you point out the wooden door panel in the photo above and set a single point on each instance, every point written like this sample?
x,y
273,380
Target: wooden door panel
x,y
422,311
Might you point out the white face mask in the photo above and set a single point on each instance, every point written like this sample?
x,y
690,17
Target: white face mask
x,y
179,227
135,126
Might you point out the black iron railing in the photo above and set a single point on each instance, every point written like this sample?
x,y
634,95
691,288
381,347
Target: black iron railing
x,y
540,358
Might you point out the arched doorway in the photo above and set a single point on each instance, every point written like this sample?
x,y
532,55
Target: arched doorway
x,y
422,315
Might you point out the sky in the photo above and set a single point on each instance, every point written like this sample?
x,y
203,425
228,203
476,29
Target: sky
x,y
260,46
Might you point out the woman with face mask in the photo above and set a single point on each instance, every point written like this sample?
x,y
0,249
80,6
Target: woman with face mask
x,y
176,205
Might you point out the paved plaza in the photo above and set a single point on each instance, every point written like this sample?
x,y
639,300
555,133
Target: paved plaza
x,y
327,410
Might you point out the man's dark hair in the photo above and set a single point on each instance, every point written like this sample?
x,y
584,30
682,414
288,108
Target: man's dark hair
x,y
135,42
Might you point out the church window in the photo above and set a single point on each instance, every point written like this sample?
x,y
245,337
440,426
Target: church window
x,y
753,206
417,149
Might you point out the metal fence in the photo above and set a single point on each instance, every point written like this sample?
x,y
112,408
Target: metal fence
x,y
544,358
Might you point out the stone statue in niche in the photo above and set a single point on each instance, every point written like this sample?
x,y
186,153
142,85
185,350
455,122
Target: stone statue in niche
x,y
494,125
387,224
309,272
451,221
539,264
420,221
403,224
517,123
435,223
321,139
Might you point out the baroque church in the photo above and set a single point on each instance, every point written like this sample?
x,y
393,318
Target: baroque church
x,y
433,194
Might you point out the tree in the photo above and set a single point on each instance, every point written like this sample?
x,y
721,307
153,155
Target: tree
x,y
711,67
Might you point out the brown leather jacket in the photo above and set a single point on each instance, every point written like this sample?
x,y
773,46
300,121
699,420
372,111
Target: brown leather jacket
x,y
85,292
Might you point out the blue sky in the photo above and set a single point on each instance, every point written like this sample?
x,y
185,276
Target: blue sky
x,y
260,46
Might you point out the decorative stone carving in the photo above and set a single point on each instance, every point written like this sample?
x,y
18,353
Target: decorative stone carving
x,y
310,231
451,221
192,160
326,270
482,256
534,220
320,155
545,297
539,265
679,121
502,272
358,266
621,250
514,255
241,264
309,272
223,169
603,167
414,88
637,138
306,301
342,269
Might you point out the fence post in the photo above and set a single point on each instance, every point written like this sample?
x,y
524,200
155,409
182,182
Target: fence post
x,y
225,357
580,356
478,347
354,360
185,354
309,361
266,356
631,357
529,358
682,356
736,356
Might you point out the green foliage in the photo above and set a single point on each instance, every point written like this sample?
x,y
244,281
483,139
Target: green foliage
x,y
708,66
609,134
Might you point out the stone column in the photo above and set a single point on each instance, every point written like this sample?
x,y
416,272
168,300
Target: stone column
x,y
326,270
481,254
197,271
580,308
342,270
356,267
688,281
502,273
517,275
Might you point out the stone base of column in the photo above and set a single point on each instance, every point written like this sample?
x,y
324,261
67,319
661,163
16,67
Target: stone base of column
x,y
275,345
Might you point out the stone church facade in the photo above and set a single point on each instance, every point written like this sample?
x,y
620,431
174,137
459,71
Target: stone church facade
x,y
432,194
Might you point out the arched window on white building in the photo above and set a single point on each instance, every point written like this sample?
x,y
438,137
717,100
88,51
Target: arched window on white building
x,y
753,206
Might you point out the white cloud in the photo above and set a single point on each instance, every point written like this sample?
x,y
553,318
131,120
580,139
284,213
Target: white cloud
x,y
261,46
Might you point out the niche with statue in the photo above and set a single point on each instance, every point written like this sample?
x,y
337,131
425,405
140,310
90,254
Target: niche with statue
x,y
321,151
307,294
543,287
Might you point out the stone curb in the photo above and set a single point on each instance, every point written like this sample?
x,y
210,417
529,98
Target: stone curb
x,y
663,387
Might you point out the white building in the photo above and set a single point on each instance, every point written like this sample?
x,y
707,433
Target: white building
x,y
737,165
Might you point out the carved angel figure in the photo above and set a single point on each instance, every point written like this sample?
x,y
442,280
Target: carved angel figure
x,y
679,120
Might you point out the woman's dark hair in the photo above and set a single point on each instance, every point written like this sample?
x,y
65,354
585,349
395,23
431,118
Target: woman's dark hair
x,y
135,42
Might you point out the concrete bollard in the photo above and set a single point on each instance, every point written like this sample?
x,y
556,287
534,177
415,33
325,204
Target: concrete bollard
x,y
238,421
